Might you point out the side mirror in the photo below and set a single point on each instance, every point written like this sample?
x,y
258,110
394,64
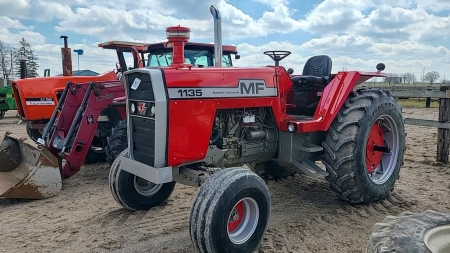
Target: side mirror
x,y
237,57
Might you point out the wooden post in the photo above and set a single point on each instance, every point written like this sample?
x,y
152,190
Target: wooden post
x,y
443,142
428,103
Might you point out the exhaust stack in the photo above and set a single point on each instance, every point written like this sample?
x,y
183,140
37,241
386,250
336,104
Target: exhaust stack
x,y
23,66
217,36
66,58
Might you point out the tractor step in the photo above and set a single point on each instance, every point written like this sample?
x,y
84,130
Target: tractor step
x,y
309,168
302,118
308,147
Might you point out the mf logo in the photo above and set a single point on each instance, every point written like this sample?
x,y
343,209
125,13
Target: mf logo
x,y
142,108
251,86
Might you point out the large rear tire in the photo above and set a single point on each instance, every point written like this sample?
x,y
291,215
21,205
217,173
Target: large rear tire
x,y
364,147
133,192
117,141
230,212
411,233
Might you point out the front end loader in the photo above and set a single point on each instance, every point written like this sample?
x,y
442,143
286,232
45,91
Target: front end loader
x,y
32,165
78,119
198,126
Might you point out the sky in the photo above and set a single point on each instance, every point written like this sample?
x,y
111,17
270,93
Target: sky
x,y
408,36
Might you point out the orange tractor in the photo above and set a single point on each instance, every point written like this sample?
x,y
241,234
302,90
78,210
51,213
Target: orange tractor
x,y
72,126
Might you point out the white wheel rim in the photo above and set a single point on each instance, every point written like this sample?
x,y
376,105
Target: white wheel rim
x,y
243,219
146,188
386,167
437,239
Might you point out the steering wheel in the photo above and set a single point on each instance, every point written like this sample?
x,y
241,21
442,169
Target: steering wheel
x,y
277,55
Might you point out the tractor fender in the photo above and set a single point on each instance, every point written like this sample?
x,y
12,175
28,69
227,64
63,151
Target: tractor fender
x,y
336,93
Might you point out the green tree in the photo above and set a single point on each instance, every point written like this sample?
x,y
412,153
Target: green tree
x,y
32,64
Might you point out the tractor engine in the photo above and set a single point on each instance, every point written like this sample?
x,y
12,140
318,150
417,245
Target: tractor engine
x,y
243,136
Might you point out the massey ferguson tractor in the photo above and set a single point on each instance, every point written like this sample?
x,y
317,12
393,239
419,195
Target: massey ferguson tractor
x,y
79,126
198,126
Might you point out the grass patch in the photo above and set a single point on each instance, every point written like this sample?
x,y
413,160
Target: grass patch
x,y
414,102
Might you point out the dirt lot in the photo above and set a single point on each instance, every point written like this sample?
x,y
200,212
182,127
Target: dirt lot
x,y
306,215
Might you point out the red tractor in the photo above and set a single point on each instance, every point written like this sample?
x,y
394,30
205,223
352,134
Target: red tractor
x,y
197,126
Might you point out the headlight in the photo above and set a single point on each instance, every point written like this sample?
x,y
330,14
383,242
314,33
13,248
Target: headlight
x,y
291,127
152,110
132,107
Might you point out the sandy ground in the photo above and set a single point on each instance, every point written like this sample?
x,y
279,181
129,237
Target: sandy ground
x,y
306,215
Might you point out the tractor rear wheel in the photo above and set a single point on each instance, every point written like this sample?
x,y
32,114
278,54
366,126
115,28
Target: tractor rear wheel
x,y
364,147
117,141
2,114
230,212
133,192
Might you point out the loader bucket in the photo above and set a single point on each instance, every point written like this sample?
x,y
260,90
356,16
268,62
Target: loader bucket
x,y
27,171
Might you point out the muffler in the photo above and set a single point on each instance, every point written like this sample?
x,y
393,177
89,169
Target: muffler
x,y
27,171
217,35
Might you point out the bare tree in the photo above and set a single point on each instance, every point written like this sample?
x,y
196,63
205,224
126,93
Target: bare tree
x,y
5,60
432,76
413,78
445,81
409,78
393,78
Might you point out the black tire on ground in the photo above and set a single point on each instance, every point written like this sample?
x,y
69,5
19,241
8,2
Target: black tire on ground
x,y
405,233
135,193
2,114
210,227
95,156
117,141
366,113
271,170
34,134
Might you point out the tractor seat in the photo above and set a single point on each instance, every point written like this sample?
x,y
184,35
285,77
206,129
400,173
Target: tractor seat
x,y
316,73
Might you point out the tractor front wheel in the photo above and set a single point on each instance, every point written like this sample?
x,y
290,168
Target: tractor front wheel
x,y
364,147
230,212
117,141
133,192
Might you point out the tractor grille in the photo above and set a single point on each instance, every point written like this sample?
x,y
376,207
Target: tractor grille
x,y
143,131
142,126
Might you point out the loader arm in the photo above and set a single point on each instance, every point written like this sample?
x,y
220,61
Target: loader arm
x,y
69,135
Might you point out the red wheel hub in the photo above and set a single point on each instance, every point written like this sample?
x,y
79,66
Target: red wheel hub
x,y
376,138
236,216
